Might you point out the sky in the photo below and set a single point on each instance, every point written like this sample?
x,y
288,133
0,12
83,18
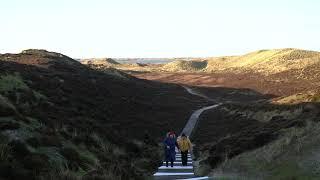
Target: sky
x,y
158,28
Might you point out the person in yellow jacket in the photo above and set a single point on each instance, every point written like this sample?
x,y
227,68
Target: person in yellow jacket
x,y
185,146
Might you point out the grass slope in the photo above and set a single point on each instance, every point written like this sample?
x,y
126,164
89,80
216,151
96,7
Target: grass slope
x,y
266,62
295,155
259,141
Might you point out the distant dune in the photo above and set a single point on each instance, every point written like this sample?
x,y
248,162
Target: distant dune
x,y
299,63
266,62
100,61
182,65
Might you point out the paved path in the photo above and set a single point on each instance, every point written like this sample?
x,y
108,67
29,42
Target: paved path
x,y
194,119
179,171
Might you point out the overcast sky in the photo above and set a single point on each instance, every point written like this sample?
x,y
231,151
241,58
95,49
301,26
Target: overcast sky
x,y
158,28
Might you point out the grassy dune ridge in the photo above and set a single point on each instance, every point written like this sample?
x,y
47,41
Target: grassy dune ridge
x,y
299,63
264,61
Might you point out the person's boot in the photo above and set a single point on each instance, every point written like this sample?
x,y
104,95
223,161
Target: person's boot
x,y
171,163
167,163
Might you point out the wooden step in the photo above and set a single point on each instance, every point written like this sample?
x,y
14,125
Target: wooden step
x,y
178,163
179,159
174,174
175,170
176,167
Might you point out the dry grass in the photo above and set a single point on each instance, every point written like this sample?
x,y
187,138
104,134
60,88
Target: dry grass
x,y
294,155
308,96
266,62
185,66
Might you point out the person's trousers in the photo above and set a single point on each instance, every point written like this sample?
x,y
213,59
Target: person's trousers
x,y
184,158
167,163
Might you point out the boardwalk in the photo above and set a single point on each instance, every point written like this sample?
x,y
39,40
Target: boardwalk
x,y
179,171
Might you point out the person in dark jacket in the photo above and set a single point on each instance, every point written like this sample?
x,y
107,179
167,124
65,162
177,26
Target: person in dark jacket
x,y
170,144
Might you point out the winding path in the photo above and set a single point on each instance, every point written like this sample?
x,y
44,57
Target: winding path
x,y
178,171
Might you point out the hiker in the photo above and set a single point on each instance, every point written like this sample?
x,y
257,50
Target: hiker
x,y
184,146
171,132
170,144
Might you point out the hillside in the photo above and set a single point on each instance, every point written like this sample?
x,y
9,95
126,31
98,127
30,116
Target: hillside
x,y
266,62
61,119
182,65
259,141
106,64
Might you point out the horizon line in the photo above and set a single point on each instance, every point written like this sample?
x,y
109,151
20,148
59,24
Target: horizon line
x,y
164,57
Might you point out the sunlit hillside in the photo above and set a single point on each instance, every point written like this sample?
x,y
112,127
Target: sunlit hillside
x,y
266,62
182,65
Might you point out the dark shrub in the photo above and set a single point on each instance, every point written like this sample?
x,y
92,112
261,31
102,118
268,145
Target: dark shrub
x,y
36,162
72,156
19,149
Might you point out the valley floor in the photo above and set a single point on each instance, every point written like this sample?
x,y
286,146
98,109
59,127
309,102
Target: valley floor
x,y
277,85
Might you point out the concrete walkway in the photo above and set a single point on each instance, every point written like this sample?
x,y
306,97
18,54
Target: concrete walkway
x,y
194,119
179,171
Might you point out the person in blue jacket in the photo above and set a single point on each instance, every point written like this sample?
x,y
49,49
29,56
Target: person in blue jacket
x,y
170,144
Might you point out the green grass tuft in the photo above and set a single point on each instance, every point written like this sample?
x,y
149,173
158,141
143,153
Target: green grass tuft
x,y
10,83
